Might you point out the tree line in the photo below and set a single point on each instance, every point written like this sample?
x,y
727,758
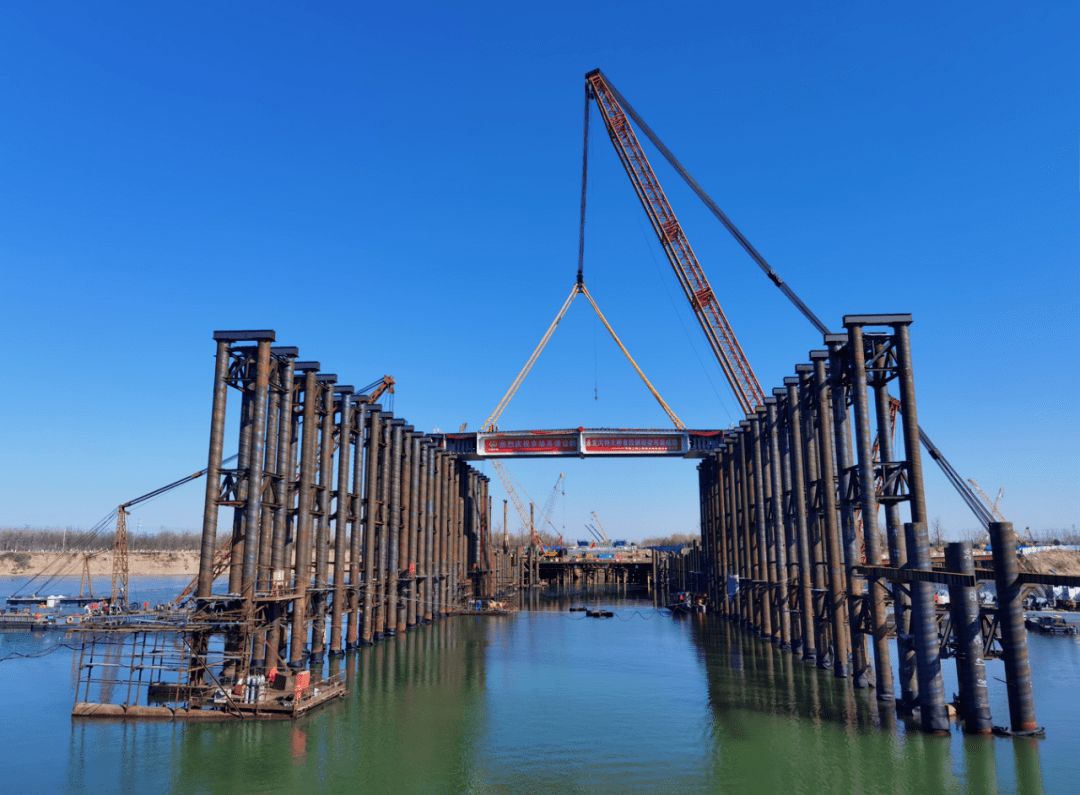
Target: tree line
x,y
69,539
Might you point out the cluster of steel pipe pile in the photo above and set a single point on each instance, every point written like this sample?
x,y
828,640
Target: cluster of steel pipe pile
x,y
348,524
783,506
410,519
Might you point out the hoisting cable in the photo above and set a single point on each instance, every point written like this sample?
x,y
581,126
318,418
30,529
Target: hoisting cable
x,y
614,336
581,231
579,287
489,423
584,185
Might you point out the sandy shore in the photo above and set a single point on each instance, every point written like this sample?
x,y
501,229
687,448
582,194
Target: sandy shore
x,y
1059,561
140,564
187,563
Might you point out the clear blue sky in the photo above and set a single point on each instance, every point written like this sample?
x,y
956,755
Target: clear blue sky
x,y
394,188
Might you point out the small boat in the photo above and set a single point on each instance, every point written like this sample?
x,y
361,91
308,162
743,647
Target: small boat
x,y
682,602
1051,625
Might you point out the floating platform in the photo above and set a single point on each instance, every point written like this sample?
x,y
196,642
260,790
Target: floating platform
x,y
39,621
57,601
208,703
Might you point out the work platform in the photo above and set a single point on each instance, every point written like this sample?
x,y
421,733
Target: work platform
x,y
585,443
291,698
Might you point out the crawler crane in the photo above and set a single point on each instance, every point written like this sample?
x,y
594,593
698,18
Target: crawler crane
x,y
615,111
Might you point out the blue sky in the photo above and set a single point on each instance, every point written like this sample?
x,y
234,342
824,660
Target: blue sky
x,y
394,188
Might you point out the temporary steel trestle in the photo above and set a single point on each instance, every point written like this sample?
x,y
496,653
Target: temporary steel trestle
x,y
782,552
348,525
382,529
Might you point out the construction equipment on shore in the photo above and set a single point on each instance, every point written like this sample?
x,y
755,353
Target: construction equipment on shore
x,y
602,531
549,507
84,577
993,505
527,519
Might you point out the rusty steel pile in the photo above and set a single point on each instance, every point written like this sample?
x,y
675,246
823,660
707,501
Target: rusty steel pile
x,y
783,552
348,526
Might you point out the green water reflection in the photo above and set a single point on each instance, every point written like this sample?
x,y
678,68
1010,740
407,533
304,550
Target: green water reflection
x,y
554,702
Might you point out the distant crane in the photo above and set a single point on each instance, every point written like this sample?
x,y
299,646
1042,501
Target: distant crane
x,y
526,518
84,578
595,534
603,532
376,389
994,505
120,593
549,506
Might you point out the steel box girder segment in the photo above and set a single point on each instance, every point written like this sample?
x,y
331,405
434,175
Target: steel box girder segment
x,y
585,443
677,248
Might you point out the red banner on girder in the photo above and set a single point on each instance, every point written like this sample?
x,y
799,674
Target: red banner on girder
x,y
583,443
633,444
531,445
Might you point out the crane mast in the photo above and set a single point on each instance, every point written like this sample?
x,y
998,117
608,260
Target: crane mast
x,y
991,504
526,518
549,507
380,387
673,240
603,532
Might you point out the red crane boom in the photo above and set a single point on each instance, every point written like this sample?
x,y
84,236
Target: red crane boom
x,y
677,248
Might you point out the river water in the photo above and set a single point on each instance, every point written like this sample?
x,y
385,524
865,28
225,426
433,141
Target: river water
x,y
544,701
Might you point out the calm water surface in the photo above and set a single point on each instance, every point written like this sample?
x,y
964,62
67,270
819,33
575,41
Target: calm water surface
x,y
545,701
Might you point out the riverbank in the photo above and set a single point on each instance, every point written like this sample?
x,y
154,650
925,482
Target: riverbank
x,y
140,564
186,563
1051,560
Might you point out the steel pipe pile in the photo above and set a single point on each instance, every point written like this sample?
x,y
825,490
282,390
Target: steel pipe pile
x,y
792,550
348,525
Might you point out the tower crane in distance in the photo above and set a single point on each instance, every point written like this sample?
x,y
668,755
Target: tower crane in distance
x,y
526,517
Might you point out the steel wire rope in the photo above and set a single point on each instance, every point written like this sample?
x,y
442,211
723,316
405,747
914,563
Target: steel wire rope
x,y
671,414
80,545
42,652
584,186
656,612
489,423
